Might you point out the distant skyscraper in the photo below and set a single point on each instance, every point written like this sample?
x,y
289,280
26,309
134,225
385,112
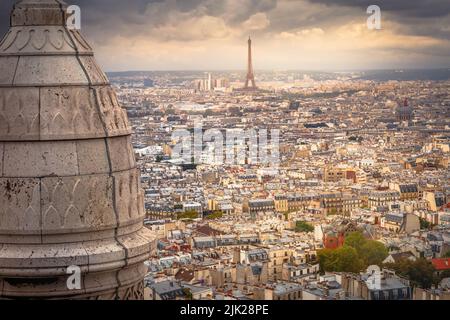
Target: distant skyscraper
x,y
209,82
250,72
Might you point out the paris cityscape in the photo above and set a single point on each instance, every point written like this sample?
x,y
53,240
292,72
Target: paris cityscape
x,y
233,181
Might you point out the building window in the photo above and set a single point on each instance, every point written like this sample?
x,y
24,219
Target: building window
x,y
405,293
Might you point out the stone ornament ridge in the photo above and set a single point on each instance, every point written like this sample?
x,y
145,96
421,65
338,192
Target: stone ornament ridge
x,y
70,191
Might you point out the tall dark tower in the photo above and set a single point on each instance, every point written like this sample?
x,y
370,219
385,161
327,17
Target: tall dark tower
x,y
250,73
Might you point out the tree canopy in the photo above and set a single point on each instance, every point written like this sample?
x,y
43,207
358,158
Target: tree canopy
x,y
356,255
302,226
420,272
191,214
215,215
344,259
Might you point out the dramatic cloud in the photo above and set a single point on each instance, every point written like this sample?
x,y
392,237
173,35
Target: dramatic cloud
x,y
295,34
417,8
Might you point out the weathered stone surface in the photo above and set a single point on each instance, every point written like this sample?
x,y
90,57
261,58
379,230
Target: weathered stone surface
x,y
69,188
19,114
40,159
1,158
121,153
40,70
20,211
69,237
94,73
114,117
92,156
69,113
38,12
126,196
128,276
77,204
133,292
137,243
41,40
101,286
80,43
103,252
8,66
40,256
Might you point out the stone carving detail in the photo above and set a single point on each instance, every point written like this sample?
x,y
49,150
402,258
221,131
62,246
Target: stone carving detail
x,y
95,74
105,296
135,292
77,203
114,117
78,39
19,114
46,39
127,194
121,153
68,113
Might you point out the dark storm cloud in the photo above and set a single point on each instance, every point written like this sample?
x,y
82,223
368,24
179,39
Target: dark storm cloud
x,y
166,23
415,8
105,17
122,16
430,18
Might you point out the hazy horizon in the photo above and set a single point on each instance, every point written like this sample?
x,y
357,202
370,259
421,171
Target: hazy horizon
x,y
279,70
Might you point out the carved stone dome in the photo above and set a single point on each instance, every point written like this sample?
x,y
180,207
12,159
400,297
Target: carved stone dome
x,y
69,187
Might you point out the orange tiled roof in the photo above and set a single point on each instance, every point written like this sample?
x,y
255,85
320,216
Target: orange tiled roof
x,y
441,264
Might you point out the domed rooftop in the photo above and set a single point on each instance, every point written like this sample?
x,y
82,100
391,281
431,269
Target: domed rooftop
x,y
69,187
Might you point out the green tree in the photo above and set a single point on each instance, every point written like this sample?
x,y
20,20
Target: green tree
x,y
188,294
332,212
355,240
420,272
348,260
215,215
356,255
302,226
327,259
373,253
191,214
447,255
424,224
344,259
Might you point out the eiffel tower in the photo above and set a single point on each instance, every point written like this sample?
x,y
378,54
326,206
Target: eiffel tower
x,y
250,73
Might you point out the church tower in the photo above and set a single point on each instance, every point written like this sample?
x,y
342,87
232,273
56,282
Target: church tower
x,y
71,204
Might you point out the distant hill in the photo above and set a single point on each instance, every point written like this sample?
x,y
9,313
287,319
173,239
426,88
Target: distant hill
x,y
373,75
406,75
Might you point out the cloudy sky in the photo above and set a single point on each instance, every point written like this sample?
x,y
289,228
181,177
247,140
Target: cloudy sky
x,y
288,34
